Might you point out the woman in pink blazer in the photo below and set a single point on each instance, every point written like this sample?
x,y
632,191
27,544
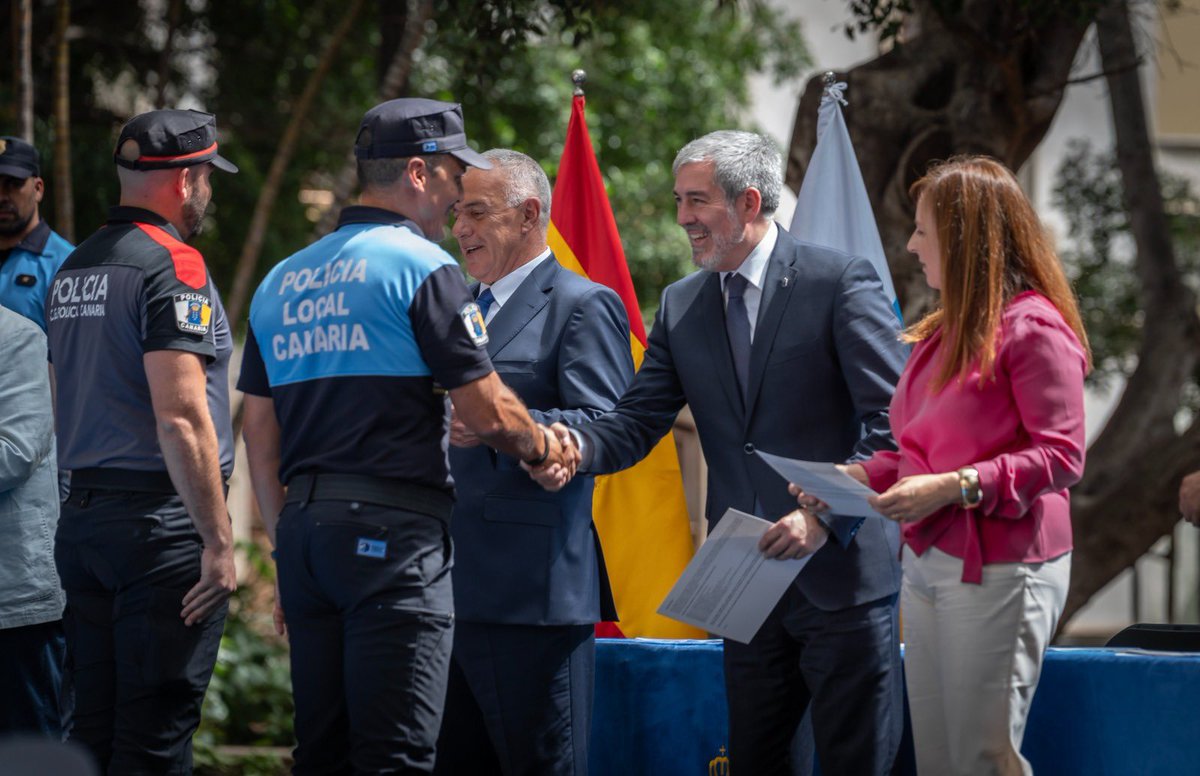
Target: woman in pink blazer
x,y
988,418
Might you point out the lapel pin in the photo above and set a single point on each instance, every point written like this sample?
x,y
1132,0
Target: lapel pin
x,y
783,282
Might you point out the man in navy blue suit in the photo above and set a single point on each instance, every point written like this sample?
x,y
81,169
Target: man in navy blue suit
x,y
790,348
529,578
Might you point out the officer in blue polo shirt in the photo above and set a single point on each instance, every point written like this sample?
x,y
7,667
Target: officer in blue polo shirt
x,y
354,343
30,251
140,347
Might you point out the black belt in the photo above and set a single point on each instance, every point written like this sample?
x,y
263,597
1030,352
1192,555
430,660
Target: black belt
x,y
381,491
122,479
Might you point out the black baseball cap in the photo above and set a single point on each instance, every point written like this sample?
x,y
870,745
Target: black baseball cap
x,y
161,139
18,159
414,126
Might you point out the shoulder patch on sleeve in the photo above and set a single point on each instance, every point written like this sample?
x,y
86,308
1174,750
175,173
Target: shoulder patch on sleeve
x,y
193,313
189,264
472,320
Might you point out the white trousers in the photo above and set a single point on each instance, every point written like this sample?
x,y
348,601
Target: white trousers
x,y
973,656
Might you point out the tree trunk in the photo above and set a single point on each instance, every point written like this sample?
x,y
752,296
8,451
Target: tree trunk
x,y
1128,498
174,7
64,199
986,79
393,84
252,248
23,66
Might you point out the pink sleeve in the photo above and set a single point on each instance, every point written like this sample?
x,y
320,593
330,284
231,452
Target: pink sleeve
x,y
882,469
1045,365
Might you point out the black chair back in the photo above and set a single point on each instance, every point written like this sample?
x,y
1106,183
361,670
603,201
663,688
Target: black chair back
x,y
1159,637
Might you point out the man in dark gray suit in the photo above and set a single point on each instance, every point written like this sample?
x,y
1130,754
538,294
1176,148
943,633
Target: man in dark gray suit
x,y
790,348
529,579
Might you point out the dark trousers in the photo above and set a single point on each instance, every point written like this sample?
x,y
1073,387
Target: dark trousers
x,y
520,700
126,560
32,696
846,663
369,607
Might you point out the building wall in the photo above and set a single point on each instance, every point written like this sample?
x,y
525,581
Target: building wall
x,y
1177,90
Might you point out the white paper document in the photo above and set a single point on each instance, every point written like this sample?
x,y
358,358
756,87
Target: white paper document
x,y
730,587
844,494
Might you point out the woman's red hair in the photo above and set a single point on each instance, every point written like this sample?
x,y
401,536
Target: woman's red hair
x,y
993,247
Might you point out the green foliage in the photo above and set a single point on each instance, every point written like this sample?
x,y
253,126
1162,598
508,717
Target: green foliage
x,y
112,60
249,701
1101,254
263,54
261,763
661,74
884,16
245,60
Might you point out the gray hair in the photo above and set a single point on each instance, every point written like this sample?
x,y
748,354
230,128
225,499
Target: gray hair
x,y
741,160
524,179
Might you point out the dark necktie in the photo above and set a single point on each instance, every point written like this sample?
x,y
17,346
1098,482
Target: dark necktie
x,y
485,300
737,328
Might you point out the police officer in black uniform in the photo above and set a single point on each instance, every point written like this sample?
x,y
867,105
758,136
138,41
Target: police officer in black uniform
x,y
353,344
140,347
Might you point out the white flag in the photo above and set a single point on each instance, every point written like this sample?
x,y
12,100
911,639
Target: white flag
x,y
833,209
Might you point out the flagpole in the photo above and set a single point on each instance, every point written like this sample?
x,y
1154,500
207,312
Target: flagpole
x,y
640,514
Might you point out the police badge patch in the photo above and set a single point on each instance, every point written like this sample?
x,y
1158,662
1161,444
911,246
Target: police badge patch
x,y
472,318
192,313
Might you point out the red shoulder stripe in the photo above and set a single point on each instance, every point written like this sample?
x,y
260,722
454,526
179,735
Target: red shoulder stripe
x,y
189,264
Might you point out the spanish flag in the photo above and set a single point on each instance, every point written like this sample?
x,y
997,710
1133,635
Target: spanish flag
x,y
641,513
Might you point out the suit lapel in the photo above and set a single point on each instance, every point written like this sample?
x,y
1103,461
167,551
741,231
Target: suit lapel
x,y
530,297
778,283
712,303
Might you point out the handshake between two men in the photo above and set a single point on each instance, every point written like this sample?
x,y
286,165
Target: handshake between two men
x,y
794,535
550,454
554,476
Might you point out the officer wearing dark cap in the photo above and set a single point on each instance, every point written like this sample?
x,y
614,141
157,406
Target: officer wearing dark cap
x,y
353,344
30,251
140,347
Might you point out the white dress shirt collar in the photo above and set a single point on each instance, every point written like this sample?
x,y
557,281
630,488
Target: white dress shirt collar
x,y
754,267
505,287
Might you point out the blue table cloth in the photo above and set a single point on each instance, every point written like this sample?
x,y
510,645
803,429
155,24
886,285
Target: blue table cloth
x,y
660,710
